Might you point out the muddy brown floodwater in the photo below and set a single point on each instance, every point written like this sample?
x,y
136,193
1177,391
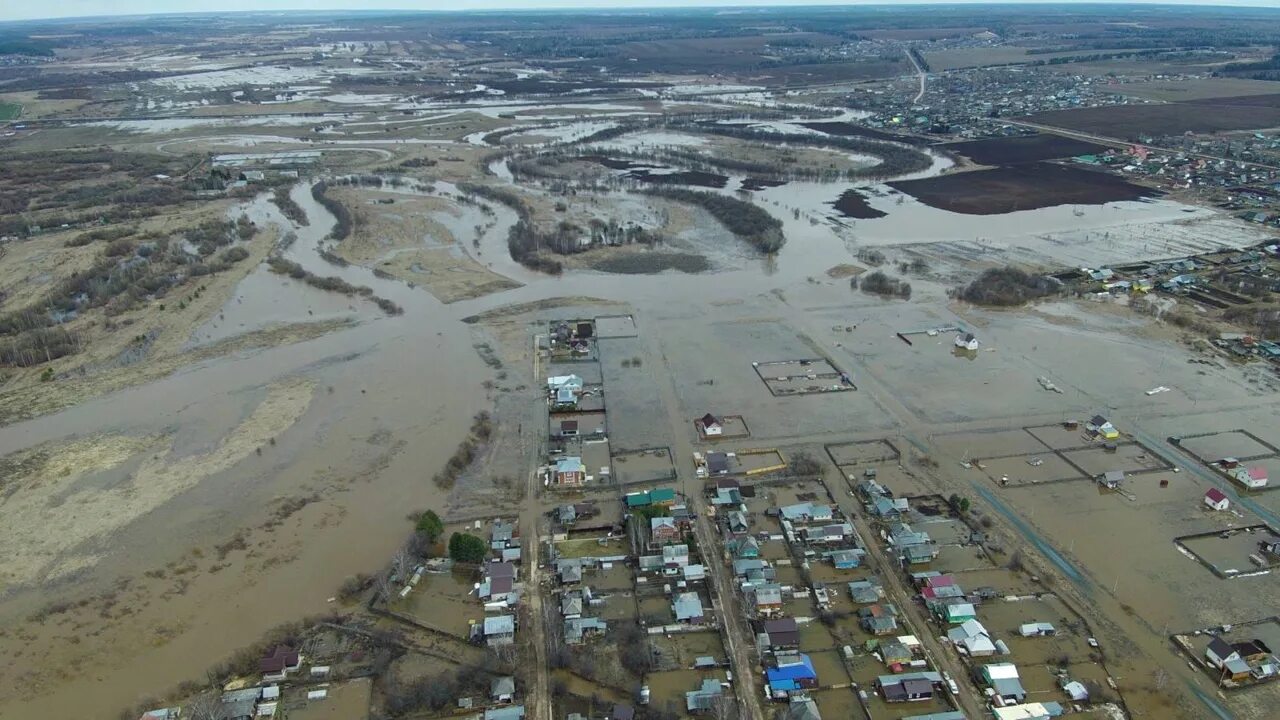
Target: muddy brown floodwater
x,y
388,401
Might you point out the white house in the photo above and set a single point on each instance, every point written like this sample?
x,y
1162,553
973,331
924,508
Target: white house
x,y
966,341
1215,499
573,382
1252,478
711,425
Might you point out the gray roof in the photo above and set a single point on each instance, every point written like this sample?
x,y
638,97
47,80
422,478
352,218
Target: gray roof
x,y
500,625
507,712
687,606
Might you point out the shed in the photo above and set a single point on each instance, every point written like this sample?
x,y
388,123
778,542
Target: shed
x,y
1215,499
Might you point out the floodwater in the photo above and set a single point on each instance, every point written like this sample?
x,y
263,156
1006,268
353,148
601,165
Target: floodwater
x,y
394,396
380,417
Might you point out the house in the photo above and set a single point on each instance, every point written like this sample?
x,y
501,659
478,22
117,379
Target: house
x,y
693,573
827,534
966,341
802,708
866,591
727,496
1028,711
499,630
573,382
674,558
1102,427
806,513
704,698
717,463
919,554
1111,479
496,589
501,534
846,559
577,630
570,471
880,625
1252,478
664,497
768,599
566,398
957,613
277,664
663,531
1074,689
1271,545
895,653
1037,629
505,712
1215,499
744,547
502,689
783,633
1003,679
240,704
711,426
569,571
972,639
736,521
571,605
908,687
684,517
161,714
1219,652
687,607
794,673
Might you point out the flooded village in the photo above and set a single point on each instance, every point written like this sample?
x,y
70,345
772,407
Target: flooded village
x,y
590,367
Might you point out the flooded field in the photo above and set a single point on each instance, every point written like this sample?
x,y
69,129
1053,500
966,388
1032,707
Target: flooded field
x,y
284,449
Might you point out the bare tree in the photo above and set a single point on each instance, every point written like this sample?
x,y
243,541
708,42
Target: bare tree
x,y
205,706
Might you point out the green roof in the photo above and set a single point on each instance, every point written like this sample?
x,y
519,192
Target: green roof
x,y
638,499
662,495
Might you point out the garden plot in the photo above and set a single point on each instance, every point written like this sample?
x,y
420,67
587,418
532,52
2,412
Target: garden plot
x,y
1045,467
1001,443
616,326
1240,444
1059,437
898,480
644,466
444,601
957,558
1129,457
1234,552
869,452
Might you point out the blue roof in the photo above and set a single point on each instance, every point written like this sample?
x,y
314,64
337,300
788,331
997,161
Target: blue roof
x,y
785,677
570,464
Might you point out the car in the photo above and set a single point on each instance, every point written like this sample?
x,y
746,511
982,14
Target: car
x,y
1093,642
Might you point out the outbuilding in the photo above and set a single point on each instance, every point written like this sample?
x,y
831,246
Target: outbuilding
x,y
1215,499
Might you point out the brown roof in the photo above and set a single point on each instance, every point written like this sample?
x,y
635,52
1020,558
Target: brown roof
x,y
279,658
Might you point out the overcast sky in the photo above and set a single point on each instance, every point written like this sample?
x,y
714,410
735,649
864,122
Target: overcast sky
x,y
35,9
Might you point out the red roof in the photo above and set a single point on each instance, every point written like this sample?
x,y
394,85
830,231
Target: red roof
x,y
1215,495
940,581
1258,473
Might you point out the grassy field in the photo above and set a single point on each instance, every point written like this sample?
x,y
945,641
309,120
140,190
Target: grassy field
x,y
1130,121
1173,91
9,111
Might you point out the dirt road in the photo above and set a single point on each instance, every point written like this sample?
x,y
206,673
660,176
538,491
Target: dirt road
x,y
919,71
538,697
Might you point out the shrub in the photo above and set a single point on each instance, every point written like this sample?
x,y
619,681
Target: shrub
x,y
877,283
466,548
430,526
1007,287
